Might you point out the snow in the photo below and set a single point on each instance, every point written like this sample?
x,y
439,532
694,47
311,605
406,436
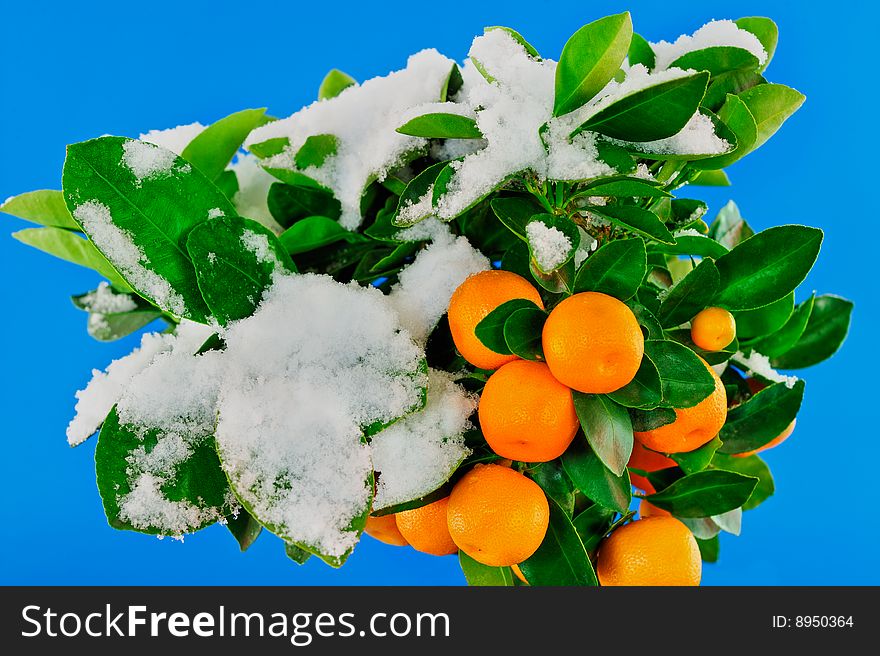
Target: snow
x,y
364,119
215,213
118,246
759,365
712,34
550,246
174,139
421,451
146,160
697,137
258,244
253,191
104,300
422,294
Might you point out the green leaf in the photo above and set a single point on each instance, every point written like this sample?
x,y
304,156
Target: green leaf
x,y
235,260
709,549
529,48
617,157
417,188
589,59
153,213
198,482
766,31
45,207
783,339
691,245
691,295
227,182
709,178
705,494
825,333
490,331
736,116
594,479
561,224
624,187
646,420
643,391
764,320
646,320
771,105
315,150
607,427
641,52
641,221
698,459
592,524
214,147
683,336
269,147
729,228
717,60
452,84
71,247
730,83
653,113
334,83
767,266
685,379
555,482
515,212
314,232
291,203
522,333
244,528
479,574
561,560
761,418
749,466
296,553
617,268
439,125
106,325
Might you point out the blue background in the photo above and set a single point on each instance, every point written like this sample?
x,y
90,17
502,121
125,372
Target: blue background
x,y
72,71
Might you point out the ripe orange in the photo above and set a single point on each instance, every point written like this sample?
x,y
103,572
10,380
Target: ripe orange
x,y
474,299
385,530
648,461
425,528
497,516
713,329
652,551
776,441
648,509
693,426
526,414
592,343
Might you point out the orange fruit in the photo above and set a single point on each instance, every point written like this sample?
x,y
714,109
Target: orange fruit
x,y
526,414
385,530
592,343
693,426
648,509
651,551
474,299
497,516
713,329
776,441
518,573
425,528
648,461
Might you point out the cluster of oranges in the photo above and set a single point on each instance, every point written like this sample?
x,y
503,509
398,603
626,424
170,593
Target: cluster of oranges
x,y
591,343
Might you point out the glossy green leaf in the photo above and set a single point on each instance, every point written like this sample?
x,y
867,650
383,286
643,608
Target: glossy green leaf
x,y
290,203
643,391
617,268
685,379
589,59
417,188
213,148
490,331
440,125
729,228
709,178
749,466
640,52
717,60
452,84
478,574
594,479
235,260
555,482
730,83
783,339
760,419
766,31
705,493
244,528
826,331
296,553
646,420
71,247
698,459
269,147
334,83
522,333
519,38
691,295
314,232
691,245
709,549
607,427
106,326
767,267
515,212
624,187
592,524
764,320
617,157
45,207
561,560
646,320
736,116
771,105
641,221
315,150
653,113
